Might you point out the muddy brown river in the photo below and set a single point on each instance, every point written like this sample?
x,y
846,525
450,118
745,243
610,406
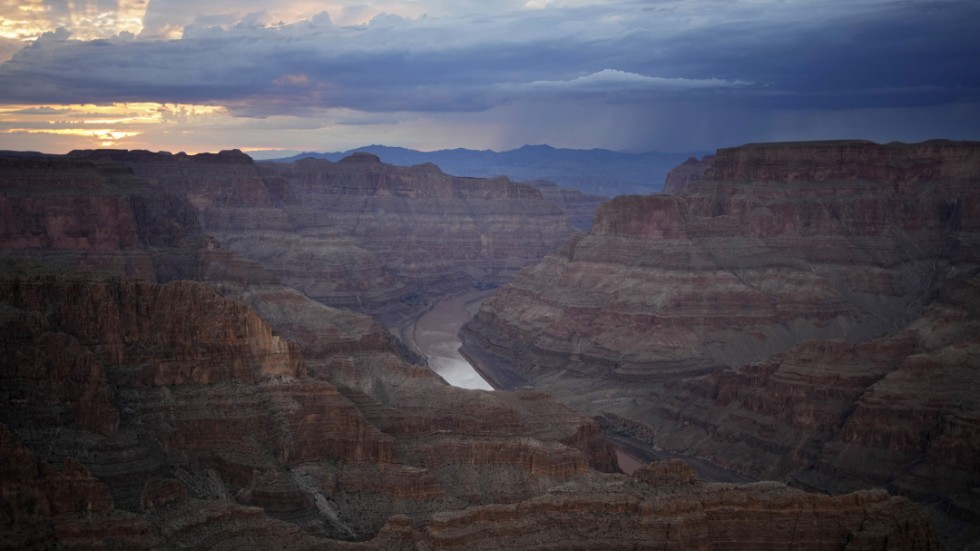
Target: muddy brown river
x,y
436,338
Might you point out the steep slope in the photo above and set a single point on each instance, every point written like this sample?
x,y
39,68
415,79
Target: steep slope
x,y
234,412
172,396
435,232
579,207
665,319
59,214
183,421
240,205
359,233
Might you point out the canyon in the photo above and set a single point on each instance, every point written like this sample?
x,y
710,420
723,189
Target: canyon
x,y
361,234
804,312
203,352
435,336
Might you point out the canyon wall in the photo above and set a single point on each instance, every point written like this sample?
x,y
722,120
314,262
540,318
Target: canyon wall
x,y
359,233
433,231
798,311
184,398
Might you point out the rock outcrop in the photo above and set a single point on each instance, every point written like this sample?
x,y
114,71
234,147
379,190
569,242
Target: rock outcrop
x,y
579,207
61,214
800,311
169,393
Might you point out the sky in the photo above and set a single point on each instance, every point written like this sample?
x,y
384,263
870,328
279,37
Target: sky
x,y
306,75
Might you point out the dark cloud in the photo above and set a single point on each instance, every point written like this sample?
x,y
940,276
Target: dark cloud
x,y
743,59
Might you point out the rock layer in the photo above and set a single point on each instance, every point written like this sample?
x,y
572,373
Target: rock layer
x,y
59,214
800,311
166,393
431,230
664,506
237,412
359,233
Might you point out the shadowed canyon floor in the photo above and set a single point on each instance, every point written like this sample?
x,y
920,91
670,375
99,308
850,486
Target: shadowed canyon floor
x,y
162,387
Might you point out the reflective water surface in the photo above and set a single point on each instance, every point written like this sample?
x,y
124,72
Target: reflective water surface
x,y
435,337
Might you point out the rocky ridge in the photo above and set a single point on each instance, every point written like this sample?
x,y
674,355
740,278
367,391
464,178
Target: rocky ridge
x,y
594,172
796,311
432,230
359,233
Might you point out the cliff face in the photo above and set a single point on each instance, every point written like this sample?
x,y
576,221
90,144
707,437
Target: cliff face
x,y
359,233
788,303
163,396
841,161
234,412
433,231
579,207
897,412
225,179
664,505
91,216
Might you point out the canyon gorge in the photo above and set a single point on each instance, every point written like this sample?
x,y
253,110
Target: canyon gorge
x,y
803,312
205,352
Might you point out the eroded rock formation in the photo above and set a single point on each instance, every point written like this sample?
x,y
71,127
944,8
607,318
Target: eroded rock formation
x,y
664,506
432,231
800,311
59,214
359,233
143,410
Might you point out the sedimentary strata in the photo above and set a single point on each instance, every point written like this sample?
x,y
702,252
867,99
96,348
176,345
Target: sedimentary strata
x,y
431,230
800,311
359,233
198,403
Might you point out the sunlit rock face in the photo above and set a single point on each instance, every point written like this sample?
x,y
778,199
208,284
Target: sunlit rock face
x,y
774,314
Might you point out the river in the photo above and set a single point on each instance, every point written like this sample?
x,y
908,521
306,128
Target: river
x,y
436,337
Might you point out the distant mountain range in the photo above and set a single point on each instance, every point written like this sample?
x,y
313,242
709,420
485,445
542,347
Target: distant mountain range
x,y
592,171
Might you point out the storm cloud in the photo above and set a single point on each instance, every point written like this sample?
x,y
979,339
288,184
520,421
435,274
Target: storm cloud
x,y
667,65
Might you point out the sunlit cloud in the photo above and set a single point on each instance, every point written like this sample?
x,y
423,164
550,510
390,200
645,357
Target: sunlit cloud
x,y
99,125
26,20
615,80
104,137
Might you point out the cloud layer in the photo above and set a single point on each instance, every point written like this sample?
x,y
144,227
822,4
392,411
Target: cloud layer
x,y
652,67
